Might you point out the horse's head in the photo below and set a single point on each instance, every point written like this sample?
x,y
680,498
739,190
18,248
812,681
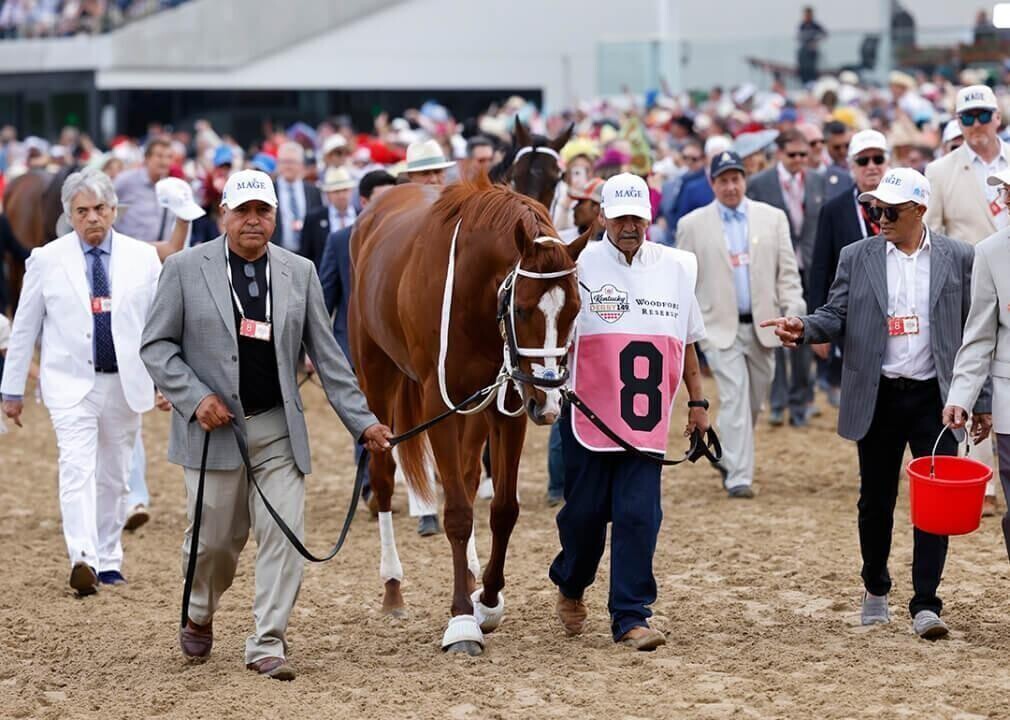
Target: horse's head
x,y
539,303
536,165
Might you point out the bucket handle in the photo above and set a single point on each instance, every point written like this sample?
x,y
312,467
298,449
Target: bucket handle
x,y
932,457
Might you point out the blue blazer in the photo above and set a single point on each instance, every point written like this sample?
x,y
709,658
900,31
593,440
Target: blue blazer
x,y
695,192
335,277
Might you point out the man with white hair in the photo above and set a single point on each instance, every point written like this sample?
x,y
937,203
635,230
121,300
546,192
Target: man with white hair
x,y
87,293
296,197
963,205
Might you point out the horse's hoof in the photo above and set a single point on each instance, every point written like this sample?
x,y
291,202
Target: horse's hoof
x,y
397,613
470,647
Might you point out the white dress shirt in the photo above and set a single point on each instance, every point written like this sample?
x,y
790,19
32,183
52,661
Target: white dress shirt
x,y
909,356
982,171
338,220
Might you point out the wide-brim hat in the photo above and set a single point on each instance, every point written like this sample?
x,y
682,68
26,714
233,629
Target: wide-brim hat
x,y
426,155
336,178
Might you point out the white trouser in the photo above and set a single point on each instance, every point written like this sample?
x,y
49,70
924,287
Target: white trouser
x,y
743,373
95,440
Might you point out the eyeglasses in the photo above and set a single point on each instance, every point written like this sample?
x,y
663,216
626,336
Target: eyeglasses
x,y
968,118
692,158
839,147
797,154
250,273
890,213
875,159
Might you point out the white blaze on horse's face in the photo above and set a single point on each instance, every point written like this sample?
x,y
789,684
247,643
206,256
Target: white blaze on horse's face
x,y
551,303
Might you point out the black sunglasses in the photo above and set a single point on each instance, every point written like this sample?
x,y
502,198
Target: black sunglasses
x,y
891,213
876,159
798,154
968,118
250,273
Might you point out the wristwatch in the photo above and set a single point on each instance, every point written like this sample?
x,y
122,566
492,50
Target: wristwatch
x,y
698,403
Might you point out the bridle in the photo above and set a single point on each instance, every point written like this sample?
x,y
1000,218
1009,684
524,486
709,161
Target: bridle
x,y
510,372
543,150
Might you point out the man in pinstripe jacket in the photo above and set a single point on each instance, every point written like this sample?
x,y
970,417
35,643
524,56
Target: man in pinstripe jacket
x,y
900,300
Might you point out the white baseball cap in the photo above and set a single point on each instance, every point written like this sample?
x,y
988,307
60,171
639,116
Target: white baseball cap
x,y
626,194
899,186
867,140
176,195
951,131
976,97
246,185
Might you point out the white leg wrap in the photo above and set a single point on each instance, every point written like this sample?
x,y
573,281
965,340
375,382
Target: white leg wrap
x,y
389,564
488,618
485,491
462,627
472,561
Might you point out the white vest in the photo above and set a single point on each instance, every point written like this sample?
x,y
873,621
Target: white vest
x,y
633,327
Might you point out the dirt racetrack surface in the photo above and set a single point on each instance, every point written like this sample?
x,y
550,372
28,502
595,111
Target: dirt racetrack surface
x,y
759,601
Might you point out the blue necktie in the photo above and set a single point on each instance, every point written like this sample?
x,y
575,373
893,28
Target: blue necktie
x,y
105,349
729,215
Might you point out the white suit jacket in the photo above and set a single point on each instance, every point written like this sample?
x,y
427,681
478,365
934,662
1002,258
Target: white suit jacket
x,y
775,285
985,344
958,207
56,301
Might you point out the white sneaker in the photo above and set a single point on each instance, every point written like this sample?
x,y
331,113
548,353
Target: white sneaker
x,y
928,625
875,611
485,491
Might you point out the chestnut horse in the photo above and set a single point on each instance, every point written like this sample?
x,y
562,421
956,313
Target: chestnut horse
x,y
31,203
433,275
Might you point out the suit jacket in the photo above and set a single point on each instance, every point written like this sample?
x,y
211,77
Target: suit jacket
x,y
56,301
957,203
314,232
335,278
765,187
313,200
985,347
774,280
191,350
837,227
695,192
836,181
857,310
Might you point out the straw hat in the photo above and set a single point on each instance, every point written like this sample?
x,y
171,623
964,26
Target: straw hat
x,y
427,155
336,178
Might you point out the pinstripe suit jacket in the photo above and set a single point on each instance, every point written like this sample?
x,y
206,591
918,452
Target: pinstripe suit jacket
x,y
857,311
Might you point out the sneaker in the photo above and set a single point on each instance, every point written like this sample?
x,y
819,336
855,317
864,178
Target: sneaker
x,y
111,577
485,491
875,610
741,492
834,397
554,497
799,420
427,525
989,508
928,625
137,517
777,418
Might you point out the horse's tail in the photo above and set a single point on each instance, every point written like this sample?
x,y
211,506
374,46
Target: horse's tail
x,y
414,456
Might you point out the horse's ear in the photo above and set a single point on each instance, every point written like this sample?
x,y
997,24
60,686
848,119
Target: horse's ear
x,y
521,134
561,140
576,246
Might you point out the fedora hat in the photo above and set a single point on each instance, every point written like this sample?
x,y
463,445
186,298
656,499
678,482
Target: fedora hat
x,y
336,178
427,155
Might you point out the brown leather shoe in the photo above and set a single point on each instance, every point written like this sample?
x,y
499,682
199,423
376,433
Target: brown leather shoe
x,y
196,640
84,579
643,638
989,508
572,614
273,667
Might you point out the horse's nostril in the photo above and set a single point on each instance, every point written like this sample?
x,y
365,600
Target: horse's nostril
x,y
531,406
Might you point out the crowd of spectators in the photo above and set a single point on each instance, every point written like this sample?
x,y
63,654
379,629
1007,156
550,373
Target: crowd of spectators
x,y
65,18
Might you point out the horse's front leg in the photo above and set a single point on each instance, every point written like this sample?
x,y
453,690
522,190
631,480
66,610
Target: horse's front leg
x,y
507,436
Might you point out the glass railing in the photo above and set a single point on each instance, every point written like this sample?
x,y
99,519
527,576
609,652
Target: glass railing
x,y
27,19
638,66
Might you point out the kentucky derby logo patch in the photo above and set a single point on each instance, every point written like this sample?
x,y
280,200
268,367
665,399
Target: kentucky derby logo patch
x,y
609,303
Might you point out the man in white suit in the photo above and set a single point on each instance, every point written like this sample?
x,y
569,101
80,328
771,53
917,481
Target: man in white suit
x,y
746,272
963,206
985,348
88,294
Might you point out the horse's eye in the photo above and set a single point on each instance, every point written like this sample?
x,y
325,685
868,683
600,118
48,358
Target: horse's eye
x,y
522,314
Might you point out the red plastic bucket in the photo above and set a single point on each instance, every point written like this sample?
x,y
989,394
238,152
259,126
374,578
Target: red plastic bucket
x,y
946,493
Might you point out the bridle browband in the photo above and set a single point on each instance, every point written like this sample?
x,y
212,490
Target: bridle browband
x,y
544,150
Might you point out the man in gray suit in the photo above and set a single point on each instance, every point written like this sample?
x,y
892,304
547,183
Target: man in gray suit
x,y
222,342
900,300
799,193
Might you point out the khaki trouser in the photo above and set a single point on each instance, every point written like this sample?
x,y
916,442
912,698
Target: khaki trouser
x,y
230,506
743,373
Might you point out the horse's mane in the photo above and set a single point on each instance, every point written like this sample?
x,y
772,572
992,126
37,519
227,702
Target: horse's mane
x,y
483,205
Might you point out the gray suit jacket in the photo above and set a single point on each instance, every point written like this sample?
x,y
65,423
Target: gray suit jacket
x,y
190,348
765,187
857,310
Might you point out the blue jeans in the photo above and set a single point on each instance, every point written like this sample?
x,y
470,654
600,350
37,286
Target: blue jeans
x,y
555,461
138,476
